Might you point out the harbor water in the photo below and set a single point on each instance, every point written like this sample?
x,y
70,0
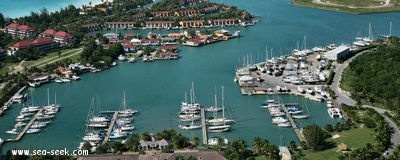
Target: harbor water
x,y
157,89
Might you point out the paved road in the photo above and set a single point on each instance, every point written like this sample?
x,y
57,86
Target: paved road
x,y
343,97
386,4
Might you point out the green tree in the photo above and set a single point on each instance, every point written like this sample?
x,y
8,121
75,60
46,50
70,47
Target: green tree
x,y
133,142
196,140
145,136
292,146
315,137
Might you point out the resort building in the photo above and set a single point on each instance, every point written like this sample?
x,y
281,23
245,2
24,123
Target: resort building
x,y
149,145
190,12
341,52
42,44
161,14
193,23
169,48
60,36
21,31
119,25
49,33
159,24
224,22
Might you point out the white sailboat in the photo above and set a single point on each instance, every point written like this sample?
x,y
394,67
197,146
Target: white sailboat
x,y
189,126
220,121
214,108
220,124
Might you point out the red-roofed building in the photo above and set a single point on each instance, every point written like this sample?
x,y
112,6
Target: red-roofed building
x,y
169,55
194,42
130,36
49,33
43,44
113,40
21,31
211,9
119,25
190,12
125,41
169,48
129,48
62,37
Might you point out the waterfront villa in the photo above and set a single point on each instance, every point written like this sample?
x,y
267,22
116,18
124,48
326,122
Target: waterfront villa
x,y
139,15
194,42
119,25
21,31
44,44
129,48
169,48
193,23
159,24
169,55
150,145
130,36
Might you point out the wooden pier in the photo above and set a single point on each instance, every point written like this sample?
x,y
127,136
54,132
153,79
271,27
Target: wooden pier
x,y
204,126
110,128
9,102
21,134
298,131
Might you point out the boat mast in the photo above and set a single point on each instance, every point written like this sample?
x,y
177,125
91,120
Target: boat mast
x,y
370,36
55,98
186,97
48,97
390,28
222,103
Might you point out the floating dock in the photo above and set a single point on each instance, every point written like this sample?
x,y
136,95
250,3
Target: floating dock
x,y
110,127
204,127
20,135
298,131
9,102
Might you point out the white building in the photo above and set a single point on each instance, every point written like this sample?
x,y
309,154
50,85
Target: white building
x,y
340,52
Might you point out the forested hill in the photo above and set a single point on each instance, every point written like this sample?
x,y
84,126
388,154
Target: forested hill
x,y
375,76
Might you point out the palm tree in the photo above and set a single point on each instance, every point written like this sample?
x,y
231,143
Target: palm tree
x,y
292,146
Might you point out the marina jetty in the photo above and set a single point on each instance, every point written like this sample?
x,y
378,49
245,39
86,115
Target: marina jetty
x,y
21,134
303,72
16,98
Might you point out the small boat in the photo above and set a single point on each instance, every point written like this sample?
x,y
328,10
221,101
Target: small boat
x,y
126,127
114,63
100,118
132,60
34,84
317,89
329,104
97,125
222,128
213,109
190,118
93,137
309,91
279,120
30,109
38,125
65,80
295,111
189,126
284,124
334,112
58,80
301,90
117,134
33,130
121,57
300,116
20,124
214,141
13,131
74,77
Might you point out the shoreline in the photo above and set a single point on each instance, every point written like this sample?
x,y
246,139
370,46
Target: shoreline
x,y
51,8
344,9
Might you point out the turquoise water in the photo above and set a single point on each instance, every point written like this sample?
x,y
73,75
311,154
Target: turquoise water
x,y
156,89
18,8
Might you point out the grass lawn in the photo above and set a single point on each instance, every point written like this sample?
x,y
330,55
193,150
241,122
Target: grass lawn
x,y
354,138
393,6
49,57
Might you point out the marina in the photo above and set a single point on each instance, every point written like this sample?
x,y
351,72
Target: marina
x,y
111,127
159,86
26,128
